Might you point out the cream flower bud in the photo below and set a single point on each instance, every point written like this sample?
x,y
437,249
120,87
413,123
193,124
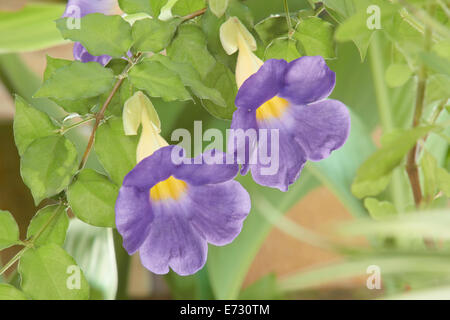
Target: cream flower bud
x,y
235,36
139,110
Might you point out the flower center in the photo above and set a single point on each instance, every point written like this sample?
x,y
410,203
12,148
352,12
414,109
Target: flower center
x,y
274,108
170,188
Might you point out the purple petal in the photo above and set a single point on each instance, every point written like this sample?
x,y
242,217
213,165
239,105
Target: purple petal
x,y
321,127
133,216
80,53
284,171
219,211
261,86
244,121
173,242
151,170
84,7
202,170
307,79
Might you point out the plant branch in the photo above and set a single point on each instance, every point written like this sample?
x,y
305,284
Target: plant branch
x,y
288,15
194,14
101,114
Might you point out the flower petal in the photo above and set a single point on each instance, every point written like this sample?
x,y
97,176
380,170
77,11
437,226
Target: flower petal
x,y
261,86
321,127
284,171
89,6
202,170
151,170
307,79
219,211
133,217
80,53
173,242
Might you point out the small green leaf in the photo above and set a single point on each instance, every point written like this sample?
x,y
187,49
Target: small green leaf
x,y
380,210
272,27
115,150
184,7
191,36
80,106
218,7
135,6
55,221
190,78
92,198
9,231
397,75
50,273
374,174
77,80
48,165
158,81
282,48
316,37
153,35
99,34
30,124
156,6
223,79
8,292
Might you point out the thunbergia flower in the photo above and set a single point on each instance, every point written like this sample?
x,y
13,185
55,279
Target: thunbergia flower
x,y
169,211
80,8
290,98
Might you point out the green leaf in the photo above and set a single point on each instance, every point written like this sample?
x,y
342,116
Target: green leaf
x,y
55,221
30,124
265,288
223,79
429,167
436,63
31,28
50,273
272,27
80,106
92,198
48,165
99,34
397,75
184,7
153,35
77,80
115,150
8,292
135,6
282,48
379,165
93,249
9,231
316,37
158,81
380,210
157,6
443,181
190,78
191,36
438,88
218,7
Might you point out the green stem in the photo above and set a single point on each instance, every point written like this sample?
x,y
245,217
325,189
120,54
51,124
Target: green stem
x,y
384,111
11,262
288,15
64,130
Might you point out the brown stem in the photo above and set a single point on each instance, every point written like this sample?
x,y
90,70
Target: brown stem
x,y
194,14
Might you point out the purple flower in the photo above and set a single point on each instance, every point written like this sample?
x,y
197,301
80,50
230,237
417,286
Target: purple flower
x,y
80,8
292,99
170,212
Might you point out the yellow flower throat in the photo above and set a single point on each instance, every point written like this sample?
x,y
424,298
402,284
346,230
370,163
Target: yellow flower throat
x,y
274,108
170,188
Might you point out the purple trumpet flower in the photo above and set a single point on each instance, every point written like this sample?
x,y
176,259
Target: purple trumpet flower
x,y
170,212
80,8
290,98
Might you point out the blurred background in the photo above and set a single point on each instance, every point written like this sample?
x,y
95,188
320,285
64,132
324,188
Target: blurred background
x,y
282,254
